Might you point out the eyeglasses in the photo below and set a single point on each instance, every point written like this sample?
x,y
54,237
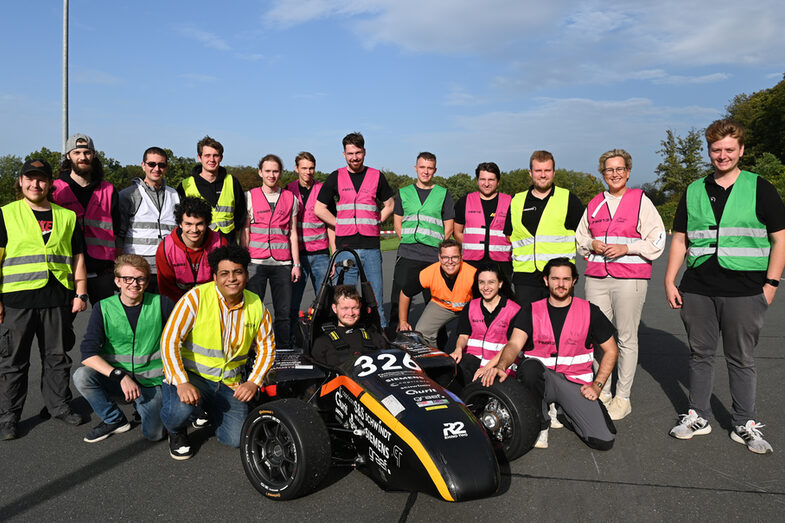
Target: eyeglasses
x,y
450,258
128,280
152,165
617,170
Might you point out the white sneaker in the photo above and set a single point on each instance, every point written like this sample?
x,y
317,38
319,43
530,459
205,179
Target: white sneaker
x,y
619,408
749,434
605,398
690,425
555,423
542,440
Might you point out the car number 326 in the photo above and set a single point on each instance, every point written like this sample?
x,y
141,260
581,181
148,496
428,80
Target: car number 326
x,y
384,362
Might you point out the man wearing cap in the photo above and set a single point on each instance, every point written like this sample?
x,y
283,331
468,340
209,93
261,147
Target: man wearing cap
x,y
220,189
41,265
147,211
82,189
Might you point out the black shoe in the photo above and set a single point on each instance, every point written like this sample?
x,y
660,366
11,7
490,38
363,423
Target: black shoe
x,y
179,446
70,417
104,430
200,422
7,431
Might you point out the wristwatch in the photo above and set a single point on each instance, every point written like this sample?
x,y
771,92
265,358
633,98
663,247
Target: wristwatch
x,y
82,297
117,375
772,282
599,384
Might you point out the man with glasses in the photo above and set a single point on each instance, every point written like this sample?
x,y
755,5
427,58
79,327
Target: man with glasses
x,y
147,211
121,353
450,283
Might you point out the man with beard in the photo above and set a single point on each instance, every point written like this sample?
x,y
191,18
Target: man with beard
x,y
82,189
220,189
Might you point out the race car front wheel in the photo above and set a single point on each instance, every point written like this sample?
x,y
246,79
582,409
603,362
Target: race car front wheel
x,y
285,449
509,412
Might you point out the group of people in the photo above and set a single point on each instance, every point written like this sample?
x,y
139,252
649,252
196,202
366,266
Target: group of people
x,y
188,340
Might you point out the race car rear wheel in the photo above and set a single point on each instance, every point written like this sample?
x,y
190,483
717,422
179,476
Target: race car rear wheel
x,y
285,449
509,412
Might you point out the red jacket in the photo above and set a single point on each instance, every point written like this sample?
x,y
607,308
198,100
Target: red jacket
x,y
167,279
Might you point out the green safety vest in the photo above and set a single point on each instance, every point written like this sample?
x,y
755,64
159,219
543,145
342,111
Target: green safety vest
x,y
136,352
551,239
422,222
741,242
223,212
203,352
27,260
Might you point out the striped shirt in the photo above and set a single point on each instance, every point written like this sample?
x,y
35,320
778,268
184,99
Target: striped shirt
x,y
182,320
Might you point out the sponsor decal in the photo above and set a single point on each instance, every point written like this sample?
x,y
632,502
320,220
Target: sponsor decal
x,y
393,405
454,429
397,453
437,407
433,402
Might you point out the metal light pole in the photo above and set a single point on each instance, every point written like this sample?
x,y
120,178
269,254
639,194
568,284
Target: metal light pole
x,y
65,73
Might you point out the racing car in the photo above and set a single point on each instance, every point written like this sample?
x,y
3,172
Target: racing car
x,y
387,412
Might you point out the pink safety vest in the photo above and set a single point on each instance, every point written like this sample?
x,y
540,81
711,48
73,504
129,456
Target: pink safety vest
x,y
187,276
96,220
622,228
499,249
311,229
357,212
486,341
570,357
270,230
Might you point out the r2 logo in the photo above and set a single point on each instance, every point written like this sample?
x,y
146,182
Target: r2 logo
x,y
386,360
454,429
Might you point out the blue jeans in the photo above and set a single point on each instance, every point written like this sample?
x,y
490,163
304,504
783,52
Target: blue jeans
x,y
226,413
99,390
315,267
372,265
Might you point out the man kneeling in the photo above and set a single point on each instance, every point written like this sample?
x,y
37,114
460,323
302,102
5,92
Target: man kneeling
x,y
561,371
121,353
348,339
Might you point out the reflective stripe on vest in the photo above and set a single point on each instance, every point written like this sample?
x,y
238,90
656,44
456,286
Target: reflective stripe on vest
x,y
186,275
486,341
551,239
357,212
96,220
312,231
136,352
149,226
622,228
269,236
461,293
223,212
499,249
570,357
27,260
741,242
203,352
422,222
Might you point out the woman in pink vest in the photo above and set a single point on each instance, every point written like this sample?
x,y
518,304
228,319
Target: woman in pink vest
x,y
271,237
621,232
485,326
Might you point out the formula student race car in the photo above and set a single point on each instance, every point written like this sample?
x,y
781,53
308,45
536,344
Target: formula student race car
x,y
386,412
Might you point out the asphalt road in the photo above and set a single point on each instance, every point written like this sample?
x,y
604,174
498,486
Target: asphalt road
x,y
51,474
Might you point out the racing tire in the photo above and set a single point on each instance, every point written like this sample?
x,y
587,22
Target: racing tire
x,y
285,449
509,412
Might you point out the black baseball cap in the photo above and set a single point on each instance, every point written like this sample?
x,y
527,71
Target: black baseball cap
x,y
36,165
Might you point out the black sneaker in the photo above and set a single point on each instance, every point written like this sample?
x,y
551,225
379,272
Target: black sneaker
x,y
7,431
104,430
70,417
179,446
200,422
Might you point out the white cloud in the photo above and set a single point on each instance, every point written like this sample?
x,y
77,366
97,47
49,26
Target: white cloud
x,y
209,40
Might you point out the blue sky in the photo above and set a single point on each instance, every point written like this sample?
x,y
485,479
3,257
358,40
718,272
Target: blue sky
x,y
470,81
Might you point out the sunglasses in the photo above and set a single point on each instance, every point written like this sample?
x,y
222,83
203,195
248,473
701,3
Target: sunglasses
x,y
152,165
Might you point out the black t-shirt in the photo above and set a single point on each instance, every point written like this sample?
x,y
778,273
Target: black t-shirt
x,y
465,325
420,251
325,351
600,327
711,279
489,211
533,208
329,193
83,195
53,294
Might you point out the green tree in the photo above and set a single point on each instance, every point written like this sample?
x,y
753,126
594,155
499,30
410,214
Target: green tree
x,y
583,185
459,185
771,168
53,157
9,169
763,116
682,162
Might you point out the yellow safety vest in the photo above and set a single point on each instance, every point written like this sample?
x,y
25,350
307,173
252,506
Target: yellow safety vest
x,y
203,351
27,260
223,212
551,240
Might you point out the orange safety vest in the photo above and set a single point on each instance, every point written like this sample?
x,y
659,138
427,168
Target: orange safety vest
x,y
461,294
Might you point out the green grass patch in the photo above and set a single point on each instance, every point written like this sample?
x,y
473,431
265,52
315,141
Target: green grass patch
x,y
390,243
